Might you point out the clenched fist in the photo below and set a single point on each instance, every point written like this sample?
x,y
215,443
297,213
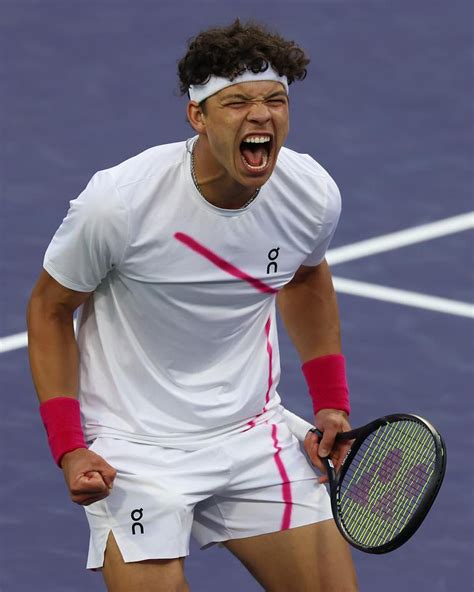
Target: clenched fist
x,y
88,476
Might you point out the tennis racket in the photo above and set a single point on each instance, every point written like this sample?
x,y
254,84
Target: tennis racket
x,y
387,482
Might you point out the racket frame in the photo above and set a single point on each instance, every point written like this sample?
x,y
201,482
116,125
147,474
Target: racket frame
x,y
429,495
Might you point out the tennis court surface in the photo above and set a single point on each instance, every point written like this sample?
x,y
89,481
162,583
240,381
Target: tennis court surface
x,y
386,108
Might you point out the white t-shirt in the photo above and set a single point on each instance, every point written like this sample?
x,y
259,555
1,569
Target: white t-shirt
x,y
178,344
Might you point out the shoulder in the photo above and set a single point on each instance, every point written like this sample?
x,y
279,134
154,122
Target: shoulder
x,y
309,182
150,163
303,169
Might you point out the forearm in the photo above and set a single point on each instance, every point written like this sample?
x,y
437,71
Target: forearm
x,y
52,349
308,307
54,364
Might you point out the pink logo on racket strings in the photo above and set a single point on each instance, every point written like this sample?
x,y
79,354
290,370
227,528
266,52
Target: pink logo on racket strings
x,y
416,480
385,506
359,492
411,487
385,473
223,264
390,465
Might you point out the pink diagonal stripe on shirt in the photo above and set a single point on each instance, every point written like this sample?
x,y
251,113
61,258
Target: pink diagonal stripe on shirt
x,y
223,264
286,486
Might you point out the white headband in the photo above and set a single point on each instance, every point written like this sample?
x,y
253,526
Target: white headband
x,y
199,92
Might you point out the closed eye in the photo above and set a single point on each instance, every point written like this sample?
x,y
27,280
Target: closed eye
x,y
276,102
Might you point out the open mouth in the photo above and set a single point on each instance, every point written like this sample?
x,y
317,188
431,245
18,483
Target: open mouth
x,y
255,151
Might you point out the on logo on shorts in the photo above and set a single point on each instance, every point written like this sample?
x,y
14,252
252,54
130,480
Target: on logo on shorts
x,y
136,516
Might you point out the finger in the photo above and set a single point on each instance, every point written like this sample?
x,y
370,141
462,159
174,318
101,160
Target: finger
x,y
88,483
342,452
310,442
321,465
91,476
97,477
311,445
313,453
327,443
94,477
107,472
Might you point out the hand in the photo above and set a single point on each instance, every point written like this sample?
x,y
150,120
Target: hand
x,y
88,476
330,422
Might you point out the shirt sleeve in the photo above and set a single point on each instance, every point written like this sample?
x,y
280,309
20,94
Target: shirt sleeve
x,y
328,227
92,239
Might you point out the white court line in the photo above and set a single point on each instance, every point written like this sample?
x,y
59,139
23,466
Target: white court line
x,y
13,342
402,238
365,248
404,297
17,341
343,286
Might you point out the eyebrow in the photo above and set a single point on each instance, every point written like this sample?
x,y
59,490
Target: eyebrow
x,y
243,97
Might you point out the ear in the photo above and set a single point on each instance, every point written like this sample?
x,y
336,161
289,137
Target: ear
x,y
196,117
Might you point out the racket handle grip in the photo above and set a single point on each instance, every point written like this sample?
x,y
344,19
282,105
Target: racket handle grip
x,y
298,426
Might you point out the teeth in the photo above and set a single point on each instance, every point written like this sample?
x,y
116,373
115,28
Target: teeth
x,y
257,139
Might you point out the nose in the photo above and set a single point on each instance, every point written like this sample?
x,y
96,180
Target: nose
x,y
259,113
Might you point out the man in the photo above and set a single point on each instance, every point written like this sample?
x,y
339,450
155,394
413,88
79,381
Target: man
x,y
177,258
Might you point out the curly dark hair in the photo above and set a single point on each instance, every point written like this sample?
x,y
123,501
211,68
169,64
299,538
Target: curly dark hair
x,y
229,51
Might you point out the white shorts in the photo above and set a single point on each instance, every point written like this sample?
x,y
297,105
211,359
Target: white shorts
x,y
253,483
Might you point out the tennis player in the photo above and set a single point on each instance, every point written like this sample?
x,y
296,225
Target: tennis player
x,y
163,412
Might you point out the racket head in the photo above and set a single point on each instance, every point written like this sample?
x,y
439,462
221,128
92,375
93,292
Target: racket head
x,y
388,481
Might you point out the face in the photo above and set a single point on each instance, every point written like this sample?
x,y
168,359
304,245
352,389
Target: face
x,y
245,126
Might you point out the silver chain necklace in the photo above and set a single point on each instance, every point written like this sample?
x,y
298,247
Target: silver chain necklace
x,y
196,184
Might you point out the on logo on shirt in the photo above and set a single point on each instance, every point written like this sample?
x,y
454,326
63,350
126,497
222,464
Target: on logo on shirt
x,y
272,267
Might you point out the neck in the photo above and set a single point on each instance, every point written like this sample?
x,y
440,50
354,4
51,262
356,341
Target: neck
x,y
214,183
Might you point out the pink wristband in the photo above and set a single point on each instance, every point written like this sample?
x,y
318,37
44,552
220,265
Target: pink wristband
x,y
62,420
327,382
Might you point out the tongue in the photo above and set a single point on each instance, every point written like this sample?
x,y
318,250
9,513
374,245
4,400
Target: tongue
x,y
254,157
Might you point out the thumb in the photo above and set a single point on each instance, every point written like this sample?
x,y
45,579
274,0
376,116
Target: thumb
x,y
107,472
92,480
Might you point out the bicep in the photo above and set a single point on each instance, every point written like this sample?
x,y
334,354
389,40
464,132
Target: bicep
x,y
308,307
310,277
310,288
53,296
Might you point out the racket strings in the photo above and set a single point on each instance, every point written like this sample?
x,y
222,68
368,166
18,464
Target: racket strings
x,y
386,480
388,518
386,506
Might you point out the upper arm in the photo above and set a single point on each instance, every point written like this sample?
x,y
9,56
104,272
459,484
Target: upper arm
x,y
50,296
306,273
315,282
